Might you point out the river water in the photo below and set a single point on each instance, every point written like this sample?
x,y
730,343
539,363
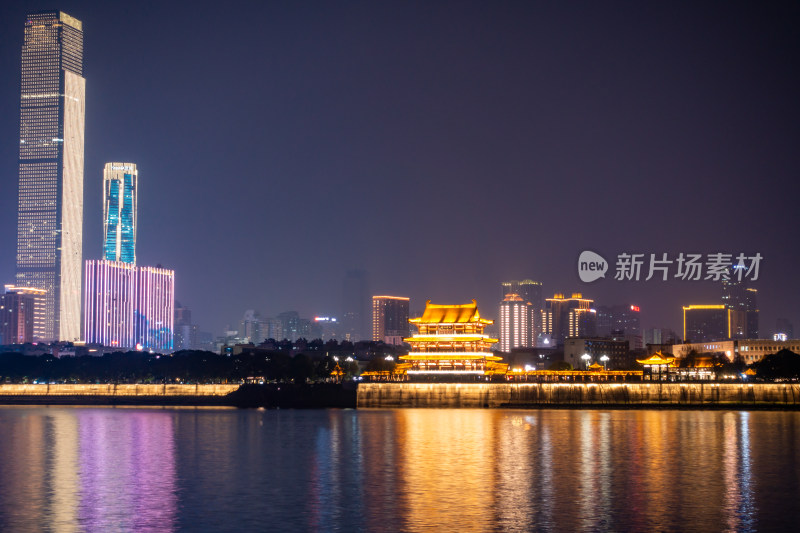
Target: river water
x,y
153,469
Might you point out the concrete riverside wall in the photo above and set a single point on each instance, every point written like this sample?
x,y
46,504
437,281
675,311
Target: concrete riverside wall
x,y
116,390
386,395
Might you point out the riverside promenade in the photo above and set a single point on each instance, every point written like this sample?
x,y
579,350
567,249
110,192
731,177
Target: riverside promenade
x,y
704,395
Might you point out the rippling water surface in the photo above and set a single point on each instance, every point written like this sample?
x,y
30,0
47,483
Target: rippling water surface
x,y
139,469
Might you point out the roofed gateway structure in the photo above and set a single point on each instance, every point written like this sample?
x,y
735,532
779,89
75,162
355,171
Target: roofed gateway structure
x,y
451,342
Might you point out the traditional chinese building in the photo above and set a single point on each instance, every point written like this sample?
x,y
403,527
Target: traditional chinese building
x,y
656,367
450,341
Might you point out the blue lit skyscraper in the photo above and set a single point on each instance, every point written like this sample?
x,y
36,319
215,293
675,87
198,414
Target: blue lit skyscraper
x,y
119,212
125,305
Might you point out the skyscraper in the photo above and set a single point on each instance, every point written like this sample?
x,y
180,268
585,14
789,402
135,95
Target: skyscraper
x,y
120,186
515,323
569,317
531,294
50,201
252,327
737,297
389,319
185,332
356,306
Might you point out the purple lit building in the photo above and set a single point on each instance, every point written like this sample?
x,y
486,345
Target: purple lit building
x,y
154,312
129,306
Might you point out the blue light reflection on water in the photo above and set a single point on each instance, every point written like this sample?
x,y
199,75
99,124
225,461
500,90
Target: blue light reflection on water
x,y
102,469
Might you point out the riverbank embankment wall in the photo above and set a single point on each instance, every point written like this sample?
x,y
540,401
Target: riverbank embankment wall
x,y
705,394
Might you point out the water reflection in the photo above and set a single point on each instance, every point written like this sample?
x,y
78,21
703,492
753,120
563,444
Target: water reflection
x,y
103,469
127,470
76,469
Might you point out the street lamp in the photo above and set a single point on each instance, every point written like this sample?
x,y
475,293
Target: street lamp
x,y
389,358
586,358
604,359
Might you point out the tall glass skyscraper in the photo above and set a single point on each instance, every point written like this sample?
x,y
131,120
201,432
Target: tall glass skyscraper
x,y
50,209
120,181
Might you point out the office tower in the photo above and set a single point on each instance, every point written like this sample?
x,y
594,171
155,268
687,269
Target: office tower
x,y
531,293
356,306
39,303
109,304
154,313
618,319
702,323
252,329
328,327
569,317
289,325
389,319
50,200
620,322
273,329
120,185
128,306
185,332
16,318
307,329
515,323
737,297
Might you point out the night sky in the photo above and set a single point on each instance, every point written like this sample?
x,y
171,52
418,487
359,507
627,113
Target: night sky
x,y
441,146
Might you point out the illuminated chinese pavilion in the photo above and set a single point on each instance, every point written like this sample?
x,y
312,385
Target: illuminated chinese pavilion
x,y
451,341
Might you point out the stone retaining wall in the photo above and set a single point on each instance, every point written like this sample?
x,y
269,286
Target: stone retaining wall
x,y
388,395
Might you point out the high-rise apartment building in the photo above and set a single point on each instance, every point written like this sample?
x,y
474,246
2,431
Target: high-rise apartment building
x,y
569,317
50,200
289,324
527,289
515,323
389,319
531,293
39,302
16,318
252,327
120,184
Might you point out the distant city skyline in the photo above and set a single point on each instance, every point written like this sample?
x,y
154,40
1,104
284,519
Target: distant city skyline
x,y
332,141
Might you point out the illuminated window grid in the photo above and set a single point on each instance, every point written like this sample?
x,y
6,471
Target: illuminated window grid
x,y
50,194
